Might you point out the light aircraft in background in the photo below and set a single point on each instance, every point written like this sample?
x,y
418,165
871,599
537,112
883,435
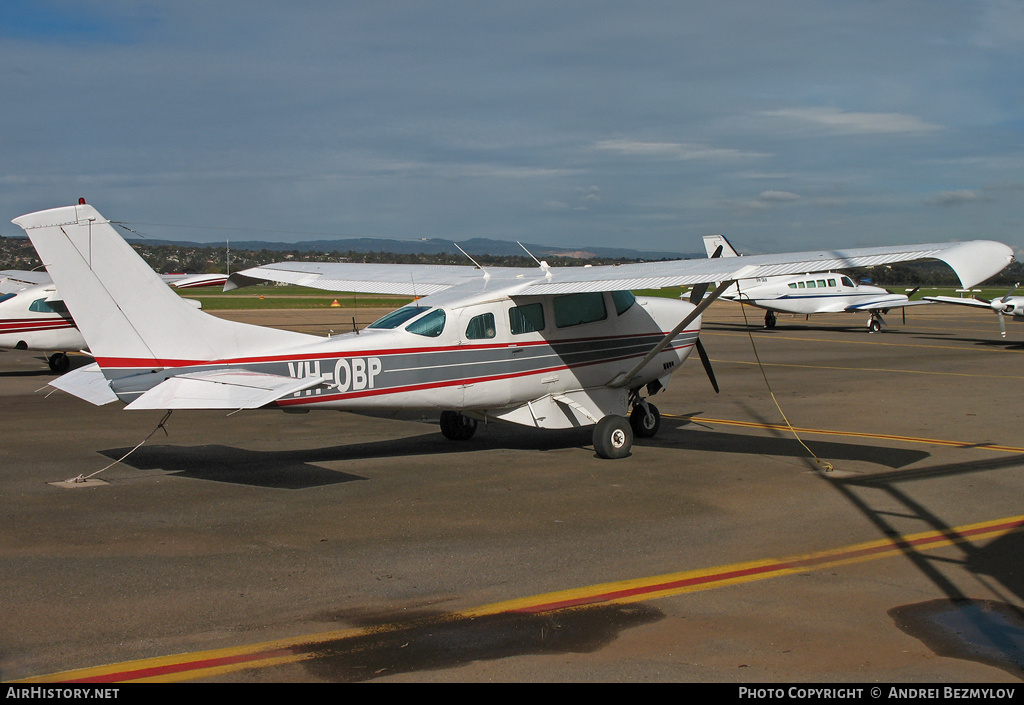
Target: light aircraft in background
x,y
33,315
1008,305
549,348
809,293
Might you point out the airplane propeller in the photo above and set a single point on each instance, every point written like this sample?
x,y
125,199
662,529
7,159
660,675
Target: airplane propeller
x,y
696,294
1001,306
909,296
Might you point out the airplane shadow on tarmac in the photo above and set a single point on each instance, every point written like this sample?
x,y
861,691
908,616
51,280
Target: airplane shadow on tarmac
x,y
298,469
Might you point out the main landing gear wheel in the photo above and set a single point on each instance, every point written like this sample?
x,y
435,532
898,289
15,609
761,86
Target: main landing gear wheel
x,y
457,427
59,362
613,437
769,319
874,325
645,420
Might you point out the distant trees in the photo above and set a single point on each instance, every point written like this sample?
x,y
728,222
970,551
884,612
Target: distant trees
x,y
18,253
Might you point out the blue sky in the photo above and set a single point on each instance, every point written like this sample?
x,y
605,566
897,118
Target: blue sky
x,y
785,125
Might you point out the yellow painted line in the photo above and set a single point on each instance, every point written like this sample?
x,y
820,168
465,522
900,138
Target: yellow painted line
x,y
873,341
204,664
850,434
864,369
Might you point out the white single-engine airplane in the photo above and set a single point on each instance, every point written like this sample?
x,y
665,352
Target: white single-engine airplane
x,y
33,315
1008,305
809,293
547,347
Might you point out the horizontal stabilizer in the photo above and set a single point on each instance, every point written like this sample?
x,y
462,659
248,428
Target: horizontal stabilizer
x,y
86,383
221,389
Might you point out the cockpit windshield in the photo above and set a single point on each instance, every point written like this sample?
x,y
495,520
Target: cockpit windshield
x,y
397,318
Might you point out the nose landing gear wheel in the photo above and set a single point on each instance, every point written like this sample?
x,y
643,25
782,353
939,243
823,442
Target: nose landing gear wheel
x,y
645,420
613,437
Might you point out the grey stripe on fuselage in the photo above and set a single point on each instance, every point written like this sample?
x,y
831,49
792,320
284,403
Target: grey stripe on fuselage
x,y
381,371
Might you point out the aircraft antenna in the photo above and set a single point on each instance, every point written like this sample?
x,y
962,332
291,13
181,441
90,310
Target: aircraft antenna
x,y
543,265
477,264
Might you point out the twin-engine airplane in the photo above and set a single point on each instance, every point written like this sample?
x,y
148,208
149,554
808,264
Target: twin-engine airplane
x,y
33,315
547,347
1008,305
809,293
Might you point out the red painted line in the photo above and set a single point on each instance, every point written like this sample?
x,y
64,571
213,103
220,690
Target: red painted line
x,y
183,666
306,648
793,564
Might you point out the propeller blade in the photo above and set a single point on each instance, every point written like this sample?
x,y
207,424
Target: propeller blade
x,y
1002,324
707,364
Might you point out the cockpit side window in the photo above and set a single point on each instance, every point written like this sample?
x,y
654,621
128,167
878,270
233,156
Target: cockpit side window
x,y
6,297
481,327
847,282
430,325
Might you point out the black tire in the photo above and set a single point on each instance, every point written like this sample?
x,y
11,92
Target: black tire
x,y
769,319
613,437
457,427
874,326
645,423
59,363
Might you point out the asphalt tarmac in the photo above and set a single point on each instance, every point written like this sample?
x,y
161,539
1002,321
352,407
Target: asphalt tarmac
x,y
878,543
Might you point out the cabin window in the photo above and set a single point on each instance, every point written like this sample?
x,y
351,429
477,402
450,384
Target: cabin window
x,y
577,309
481,327
831,282
821,283
810,284
6,297
847,282
526,319
397,318
44,306
430,325
792,285
623,300
800,285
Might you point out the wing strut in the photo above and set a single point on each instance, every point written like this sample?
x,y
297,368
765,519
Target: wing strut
x,y
624,378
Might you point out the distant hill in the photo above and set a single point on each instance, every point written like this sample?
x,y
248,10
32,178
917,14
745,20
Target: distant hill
x,y
432,246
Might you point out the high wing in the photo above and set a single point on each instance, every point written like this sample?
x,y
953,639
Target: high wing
x,y
973,262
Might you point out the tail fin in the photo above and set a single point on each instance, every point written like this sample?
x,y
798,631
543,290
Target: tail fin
x,y
122,307
713,242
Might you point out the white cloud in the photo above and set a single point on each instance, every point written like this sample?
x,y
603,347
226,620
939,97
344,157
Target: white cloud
x,y
672,150
953,198
851,123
